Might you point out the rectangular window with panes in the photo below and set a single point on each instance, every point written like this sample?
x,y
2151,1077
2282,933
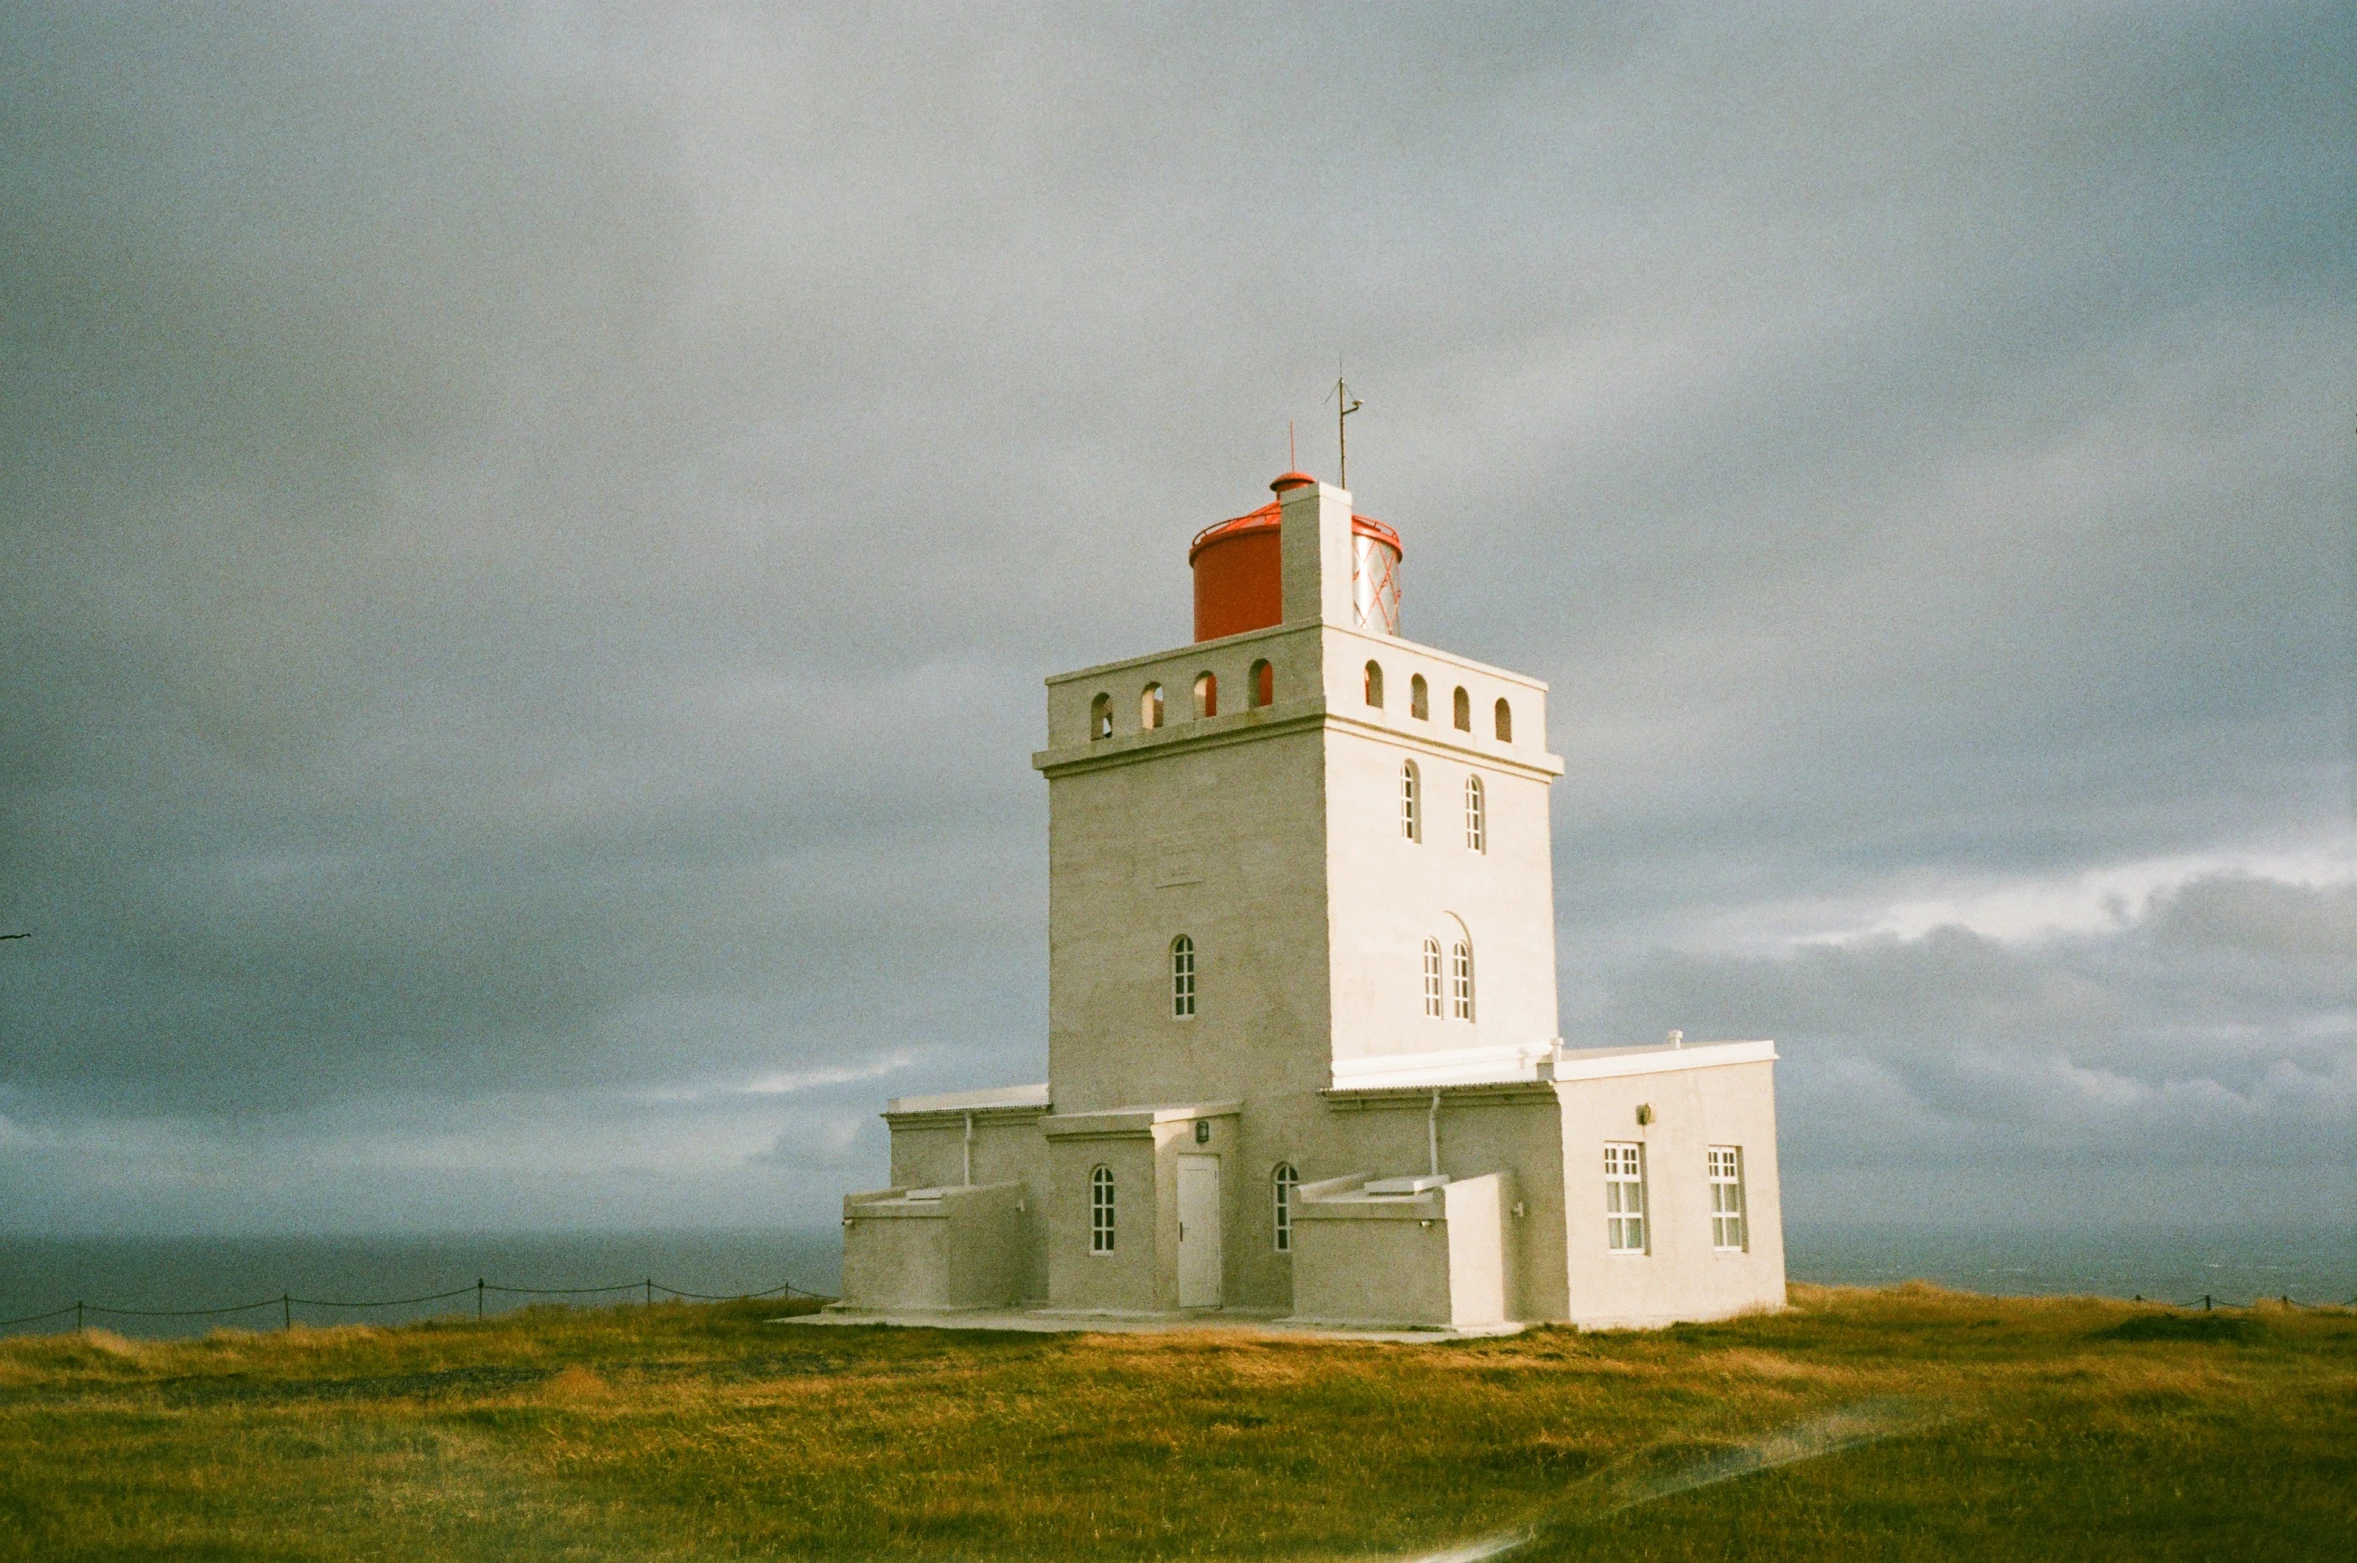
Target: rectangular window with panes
x,y
1726,1199
1624,1198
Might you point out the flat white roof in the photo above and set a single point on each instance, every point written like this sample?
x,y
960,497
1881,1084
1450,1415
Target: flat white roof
x,y
1509,1063
1605,1063
972,1101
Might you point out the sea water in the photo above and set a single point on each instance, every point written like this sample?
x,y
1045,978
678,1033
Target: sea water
x,y
175,1273
2231,1264
2181,1264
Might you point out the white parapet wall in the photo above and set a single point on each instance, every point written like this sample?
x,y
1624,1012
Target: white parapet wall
x,y
1404,1253
931,1249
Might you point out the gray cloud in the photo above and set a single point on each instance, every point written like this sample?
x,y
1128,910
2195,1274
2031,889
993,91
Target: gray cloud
x,y
528,541
2213,1024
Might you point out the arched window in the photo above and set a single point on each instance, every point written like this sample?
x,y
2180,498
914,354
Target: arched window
x,y
1461,710
1476,826
1411,802
1282,1183
1206,695
1100,1210
1182,978
1375,685
1100,717
1461,980
1419,706
1432,978
1150,707
1505,723
1262,688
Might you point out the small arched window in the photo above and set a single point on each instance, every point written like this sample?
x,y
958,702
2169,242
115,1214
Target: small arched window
x,y
1100,717
1461,710
1206,695
1411,802
1461,980
1419,703
1432,978
1182,978
1476,824
1375,685
1150,707
1262,687
1100,1210
1505,723
1282,1183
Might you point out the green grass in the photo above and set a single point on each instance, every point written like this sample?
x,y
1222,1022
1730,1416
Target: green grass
x,y
2067,1429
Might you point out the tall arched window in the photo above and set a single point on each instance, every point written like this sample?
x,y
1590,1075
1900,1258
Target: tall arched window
x,y
1206,695
1432,978
1182,978
1505,723
1476,824
1411,802
1100,1210
1262,688
1375,685
1461,980
1461,710
1419,698
1100,717
1282,1183
1150,707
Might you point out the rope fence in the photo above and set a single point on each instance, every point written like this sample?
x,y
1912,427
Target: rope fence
x,y
287,1302
2211,1300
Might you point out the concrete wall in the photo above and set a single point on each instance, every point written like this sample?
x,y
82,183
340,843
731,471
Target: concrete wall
x,y
1440,1260
1390,893
928,1151
1224,844
1126,1279
1516,1131
962,1249
1365,1263
1681,1277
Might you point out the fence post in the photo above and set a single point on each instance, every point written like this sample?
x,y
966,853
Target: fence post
x,y
478,1299
286,1304
650,1291
77,1317
2205,1302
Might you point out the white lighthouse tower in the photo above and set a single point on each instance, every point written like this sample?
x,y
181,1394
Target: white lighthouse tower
x,y
1302,1046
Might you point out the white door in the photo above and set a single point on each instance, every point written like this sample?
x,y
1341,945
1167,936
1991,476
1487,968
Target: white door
x,y
1198,1213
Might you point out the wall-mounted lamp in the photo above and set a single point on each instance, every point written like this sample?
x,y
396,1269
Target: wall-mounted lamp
x,y
1644,1113
1519,1211
1202,1131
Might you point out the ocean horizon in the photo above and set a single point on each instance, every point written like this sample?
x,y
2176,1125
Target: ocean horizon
x,y
247,1277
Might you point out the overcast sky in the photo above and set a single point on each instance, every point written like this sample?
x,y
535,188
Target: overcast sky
x,y
530,538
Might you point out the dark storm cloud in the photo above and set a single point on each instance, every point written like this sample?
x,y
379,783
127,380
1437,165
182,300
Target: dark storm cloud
x,y
528,541
2212,1024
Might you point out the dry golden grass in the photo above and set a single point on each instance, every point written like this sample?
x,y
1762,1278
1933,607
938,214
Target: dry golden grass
x,y
2019,1428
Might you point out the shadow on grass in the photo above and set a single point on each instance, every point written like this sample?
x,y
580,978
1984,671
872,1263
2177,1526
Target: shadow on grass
x,y
2186,1326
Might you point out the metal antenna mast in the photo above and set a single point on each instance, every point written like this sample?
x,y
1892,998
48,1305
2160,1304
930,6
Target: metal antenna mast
x,y
1344,407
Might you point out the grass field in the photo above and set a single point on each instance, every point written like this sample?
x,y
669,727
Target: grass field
x,y
1911,1423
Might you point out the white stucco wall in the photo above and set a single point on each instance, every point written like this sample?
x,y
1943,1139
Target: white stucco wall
x,y
1681,1276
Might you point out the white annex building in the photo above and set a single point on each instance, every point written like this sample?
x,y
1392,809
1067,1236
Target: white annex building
x,y
1302,1049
